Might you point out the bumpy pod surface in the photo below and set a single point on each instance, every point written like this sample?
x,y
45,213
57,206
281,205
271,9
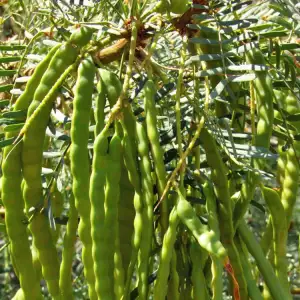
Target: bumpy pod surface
x,y
206,239
279,235
65,274
147,187
156,149
264,96
103,271
198,279
80,166
111,86
12,193
163,272
112,197
32,151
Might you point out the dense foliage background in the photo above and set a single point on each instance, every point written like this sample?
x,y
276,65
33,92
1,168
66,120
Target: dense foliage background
x,y
198,62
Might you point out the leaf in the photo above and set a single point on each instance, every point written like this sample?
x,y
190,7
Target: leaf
x,y
283,124
10,48
273,34
13,127
4,121
293,118
16,114
7,142
202,17
241,37
297,137
6,88
247,151
236,7
8,59
291,46
222,84
280,135
280,8
201,28
202,41
164,91
4,103
199,6
244,48
220,70
261,27
208,57
7,73
281,21
232,23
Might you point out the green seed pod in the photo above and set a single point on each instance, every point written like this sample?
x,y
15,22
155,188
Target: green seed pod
x,y
126,218
206,239
272,282
33,142
161,283
156,149
253,289
279,235
112,197
104,194
219,178
100,105
147,188
288,170
36,263
10,176
81,36
198,279
12,156
133,179
27,96
111,86
19,295
216,266
65,275
119,274
80,167
264,96
104,282
64,57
